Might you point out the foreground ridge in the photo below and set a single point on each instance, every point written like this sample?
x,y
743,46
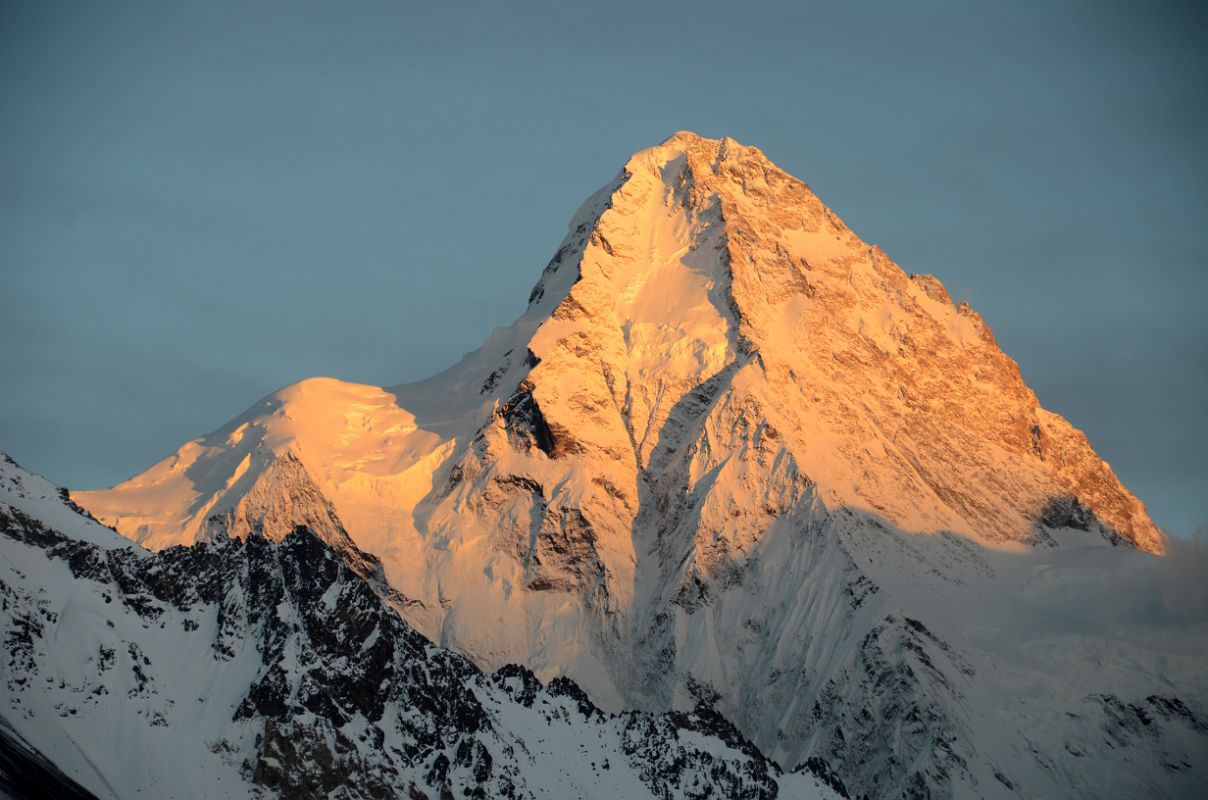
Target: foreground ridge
x,y
254,668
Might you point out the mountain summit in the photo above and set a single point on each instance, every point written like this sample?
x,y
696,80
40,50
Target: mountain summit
x,y
729,452
703,268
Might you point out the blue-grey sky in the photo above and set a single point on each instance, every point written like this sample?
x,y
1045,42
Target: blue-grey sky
x,y
203,202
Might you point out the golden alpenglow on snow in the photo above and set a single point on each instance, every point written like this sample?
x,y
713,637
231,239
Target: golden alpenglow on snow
x,y
732,453
731,463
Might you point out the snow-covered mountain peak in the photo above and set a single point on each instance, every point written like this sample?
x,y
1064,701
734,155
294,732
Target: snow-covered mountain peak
x,y
729,452
708,262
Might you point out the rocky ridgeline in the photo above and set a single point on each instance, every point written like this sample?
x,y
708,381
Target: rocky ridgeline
x,y
334,695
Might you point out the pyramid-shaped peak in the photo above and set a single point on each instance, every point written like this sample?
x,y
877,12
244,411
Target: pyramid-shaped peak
x,y
707,255
702,293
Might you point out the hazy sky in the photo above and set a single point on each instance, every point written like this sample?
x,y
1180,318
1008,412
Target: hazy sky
x,y
204,202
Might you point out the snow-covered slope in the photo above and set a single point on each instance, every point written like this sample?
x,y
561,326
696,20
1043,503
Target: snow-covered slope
x,y
732,452
260,668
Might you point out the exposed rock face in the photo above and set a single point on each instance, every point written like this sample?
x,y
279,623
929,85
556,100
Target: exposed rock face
x,y
726,453
273,668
